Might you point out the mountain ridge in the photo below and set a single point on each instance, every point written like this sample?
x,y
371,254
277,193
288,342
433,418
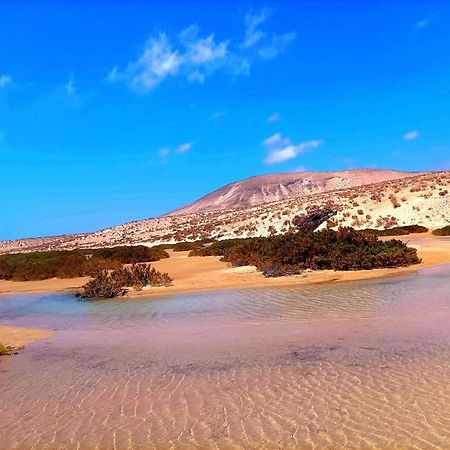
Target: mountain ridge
x,y
262,189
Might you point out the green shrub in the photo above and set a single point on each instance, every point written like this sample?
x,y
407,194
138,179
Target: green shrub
x,y
129,254
218,248
344,249
445,231
397,231
73,263
185,245
113,284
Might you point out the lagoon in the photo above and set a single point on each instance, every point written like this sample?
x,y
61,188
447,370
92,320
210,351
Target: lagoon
x,y
359,364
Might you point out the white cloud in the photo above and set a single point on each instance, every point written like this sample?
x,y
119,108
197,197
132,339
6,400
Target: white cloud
x,y
191,57
206,50
194,57
275,117
70,85
216,115
425,22
163,154
281,149
5,80
277,46
411,135
157,62
183,148
69,94
253,34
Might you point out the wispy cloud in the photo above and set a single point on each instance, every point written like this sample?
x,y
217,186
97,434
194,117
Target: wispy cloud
x,y
424,22
70,85
163,154
277,46
5,80
216,115
183,148
68,93
253,33
270,45
189,55
281,149
411,135
195,57
275,117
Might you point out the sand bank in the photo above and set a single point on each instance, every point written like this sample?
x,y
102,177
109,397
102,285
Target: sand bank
x,y
197,274
17,337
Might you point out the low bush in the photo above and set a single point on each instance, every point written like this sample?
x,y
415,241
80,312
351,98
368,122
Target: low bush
x,y
185,245
397,231
73,263
344,249
129,254
218,248
6,350
114,284
445,231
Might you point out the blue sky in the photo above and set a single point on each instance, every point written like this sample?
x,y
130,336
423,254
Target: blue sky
x,y
117,111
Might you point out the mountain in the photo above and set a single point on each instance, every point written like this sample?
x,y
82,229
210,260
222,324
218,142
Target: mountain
x,y
420,199
282,186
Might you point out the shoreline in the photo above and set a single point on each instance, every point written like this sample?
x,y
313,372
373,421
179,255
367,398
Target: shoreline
x,y
204,274
208,273
16,338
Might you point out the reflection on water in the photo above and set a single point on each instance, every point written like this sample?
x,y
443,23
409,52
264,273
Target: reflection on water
x,y
356,365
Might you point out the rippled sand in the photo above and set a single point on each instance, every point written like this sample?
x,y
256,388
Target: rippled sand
x,y
358,365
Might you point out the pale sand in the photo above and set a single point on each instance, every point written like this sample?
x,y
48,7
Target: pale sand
x,y
197,274
18,337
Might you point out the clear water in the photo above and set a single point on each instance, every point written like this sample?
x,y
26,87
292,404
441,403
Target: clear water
x,y
352,365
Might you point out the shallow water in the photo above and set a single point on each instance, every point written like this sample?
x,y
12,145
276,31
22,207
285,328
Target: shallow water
x,y
351,365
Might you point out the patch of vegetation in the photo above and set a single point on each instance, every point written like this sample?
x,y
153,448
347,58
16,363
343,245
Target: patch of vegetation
x,y
219,248
7,350
397,231
185,246
73,263
114,284
128,254
445,231
288,254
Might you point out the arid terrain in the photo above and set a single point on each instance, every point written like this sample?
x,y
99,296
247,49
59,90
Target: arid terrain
x,y
283,186
420,199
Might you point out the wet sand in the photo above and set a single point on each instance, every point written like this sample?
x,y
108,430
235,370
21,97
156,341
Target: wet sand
x,y
18,337
197,274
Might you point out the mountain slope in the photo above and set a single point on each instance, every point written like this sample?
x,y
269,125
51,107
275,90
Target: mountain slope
x,y
282,186
422,200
